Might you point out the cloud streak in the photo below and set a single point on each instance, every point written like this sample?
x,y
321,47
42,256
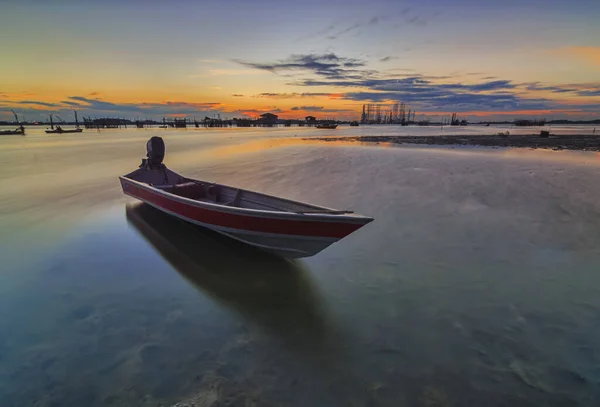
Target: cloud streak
x,y
405,14
101,108
429,94
293,95
327,65
309,108
580,89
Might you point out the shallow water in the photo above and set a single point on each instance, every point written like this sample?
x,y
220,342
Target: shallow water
x,y
477,283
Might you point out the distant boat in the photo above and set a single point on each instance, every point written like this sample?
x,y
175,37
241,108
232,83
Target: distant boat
x,y
60,130
354,124
20,131
326,126
17,132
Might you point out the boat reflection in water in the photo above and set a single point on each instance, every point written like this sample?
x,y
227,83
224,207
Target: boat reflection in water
x,y
275,293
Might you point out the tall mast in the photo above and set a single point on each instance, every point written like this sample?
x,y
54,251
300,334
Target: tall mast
x,y
51,123
76,121
16,117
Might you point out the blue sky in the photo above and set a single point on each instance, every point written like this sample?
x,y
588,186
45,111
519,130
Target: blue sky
x,y
201,53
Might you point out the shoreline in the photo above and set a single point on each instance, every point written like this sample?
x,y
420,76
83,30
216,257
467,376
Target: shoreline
x,y
553,142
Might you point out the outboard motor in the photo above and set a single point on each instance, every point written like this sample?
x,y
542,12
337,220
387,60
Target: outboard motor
x,y
155,152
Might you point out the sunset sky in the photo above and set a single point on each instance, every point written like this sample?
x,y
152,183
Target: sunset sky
x,y
485,59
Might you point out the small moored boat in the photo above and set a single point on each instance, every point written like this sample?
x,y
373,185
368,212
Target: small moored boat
x,y
19,131
326,126
60,130
288,228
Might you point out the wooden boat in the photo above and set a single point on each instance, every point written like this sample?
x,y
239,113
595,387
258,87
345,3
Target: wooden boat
x,y
326,126
288,228
19,131
354,124
60,130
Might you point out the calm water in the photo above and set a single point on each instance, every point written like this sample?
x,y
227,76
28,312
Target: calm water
x,y
477,284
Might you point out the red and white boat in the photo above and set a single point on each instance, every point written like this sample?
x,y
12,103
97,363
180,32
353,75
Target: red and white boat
x,y
288,228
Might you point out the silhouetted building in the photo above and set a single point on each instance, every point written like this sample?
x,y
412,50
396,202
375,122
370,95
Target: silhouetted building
x,y
268,119
311,120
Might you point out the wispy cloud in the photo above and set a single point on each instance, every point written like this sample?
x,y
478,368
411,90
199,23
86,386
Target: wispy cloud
x,y
413,84
430,94
309,108
237,95
72,103
407,16
294,95
224,72
36,102
325,31
96,107
327,65
257,112
579,89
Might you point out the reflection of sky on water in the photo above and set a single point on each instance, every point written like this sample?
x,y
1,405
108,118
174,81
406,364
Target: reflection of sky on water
x,y
477,280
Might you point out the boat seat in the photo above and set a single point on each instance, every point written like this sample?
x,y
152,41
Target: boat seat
x,y
190,190
236,199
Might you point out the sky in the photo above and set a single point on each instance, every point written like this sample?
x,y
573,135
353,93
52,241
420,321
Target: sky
x,y
485,59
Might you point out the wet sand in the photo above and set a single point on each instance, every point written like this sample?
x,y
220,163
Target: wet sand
x,y
554,142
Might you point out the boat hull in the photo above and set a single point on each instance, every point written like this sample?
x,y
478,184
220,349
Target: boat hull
x,y
12,133
290,235
63,131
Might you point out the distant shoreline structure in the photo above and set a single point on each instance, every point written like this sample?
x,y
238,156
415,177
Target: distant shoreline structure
x,y
245,122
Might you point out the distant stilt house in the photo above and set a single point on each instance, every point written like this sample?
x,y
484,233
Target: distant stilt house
x,y
104,123
268,119
310,120
535,122
180,123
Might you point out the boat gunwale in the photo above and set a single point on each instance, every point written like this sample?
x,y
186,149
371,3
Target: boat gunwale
x,y
298,216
